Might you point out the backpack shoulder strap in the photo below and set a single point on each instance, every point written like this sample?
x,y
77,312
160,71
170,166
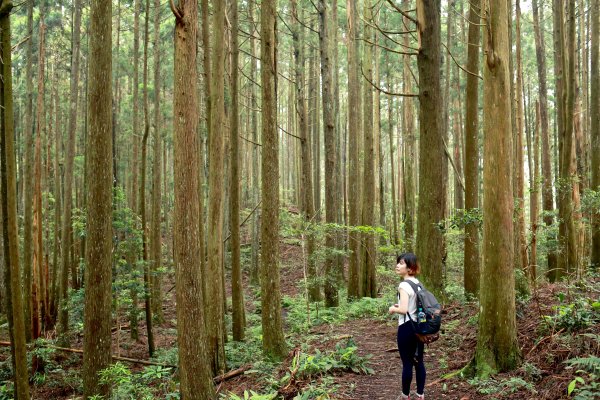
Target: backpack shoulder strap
x,y
413,285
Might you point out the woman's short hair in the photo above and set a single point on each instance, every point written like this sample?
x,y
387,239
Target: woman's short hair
x,y
412,264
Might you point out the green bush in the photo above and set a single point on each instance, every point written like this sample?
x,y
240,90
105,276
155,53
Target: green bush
x,y
579,314
586,385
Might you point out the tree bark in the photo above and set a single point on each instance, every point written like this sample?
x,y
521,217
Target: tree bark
x,y
367,282
308,207
331,210
560,85
520,238
142,205
237,289
155,251
410,156
99,175
432,189
568,238
273,339
595,129
546,167
10,233
255,264
471,252
214,282
67,229
29,182
194,362
497,348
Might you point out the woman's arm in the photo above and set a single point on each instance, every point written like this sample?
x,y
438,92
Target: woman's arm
x,y
401,308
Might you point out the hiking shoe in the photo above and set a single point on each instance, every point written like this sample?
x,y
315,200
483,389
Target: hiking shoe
x,y
403,397
420,396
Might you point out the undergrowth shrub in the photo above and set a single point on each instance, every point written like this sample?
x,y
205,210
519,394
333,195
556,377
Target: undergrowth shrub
x,y
586,385
581,313
153,382
505,386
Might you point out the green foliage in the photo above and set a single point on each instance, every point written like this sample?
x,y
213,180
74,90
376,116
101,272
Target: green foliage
x,y
590,201
365,307
76,303
152,383
463,217
586,385
321,390
455,292
579,314
507,386
532,371
7,389
343,358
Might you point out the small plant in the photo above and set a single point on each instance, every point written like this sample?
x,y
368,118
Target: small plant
x,y
586,385
579,314
319,391
507,386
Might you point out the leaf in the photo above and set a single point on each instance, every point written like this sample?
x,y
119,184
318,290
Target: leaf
x,y
571,386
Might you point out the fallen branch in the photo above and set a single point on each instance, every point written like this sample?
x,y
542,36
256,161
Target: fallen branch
x,y
544,339
78,351
231,374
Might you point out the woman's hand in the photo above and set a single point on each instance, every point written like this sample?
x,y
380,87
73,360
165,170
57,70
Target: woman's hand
x,y
394,309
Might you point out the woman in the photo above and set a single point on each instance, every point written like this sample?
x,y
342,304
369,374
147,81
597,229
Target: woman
x,y
411,349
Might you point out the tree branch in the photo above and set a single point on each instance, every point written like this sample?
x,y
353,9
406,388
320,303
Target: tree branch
x,y
402,12
458,65
383,90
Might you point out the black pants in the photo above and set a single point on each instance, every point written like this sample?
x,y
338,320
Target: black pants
x,y
411,352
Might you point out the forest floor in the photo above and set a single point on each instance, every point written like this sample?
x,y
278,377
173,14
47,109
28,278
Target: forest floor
x,y
543,374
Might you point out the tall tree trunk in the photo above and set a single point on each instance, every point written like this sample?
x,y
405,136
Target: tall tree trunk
x,y
445,102
214,273
432,193
367,282
58,200
535,196
255,264
410,155
237,290
316,137
520,238
67,230
142,205
273,339
559,76
471,271
29,182
10,233
568,238
497,347
331,210
155,251
38,287
595,129
98,280
308,208
353,150
390,102
546,176
194,362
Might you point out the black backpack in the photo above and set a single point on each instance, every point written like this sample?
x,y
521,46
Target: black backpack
x,y
426,328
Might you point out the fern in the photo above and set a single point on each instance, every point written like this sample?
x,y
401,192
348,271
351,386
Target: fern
x,y
589,364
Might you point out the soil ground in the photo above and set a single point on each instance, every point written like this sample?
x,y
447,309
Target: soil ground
x,y
543,351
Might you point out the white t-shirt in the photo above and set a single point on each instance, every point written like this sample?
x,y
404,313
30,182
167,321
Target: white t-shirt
x,y
412,300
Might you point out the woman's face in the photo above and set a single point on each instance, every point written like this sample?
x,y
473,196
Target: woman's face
x,y
401,268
